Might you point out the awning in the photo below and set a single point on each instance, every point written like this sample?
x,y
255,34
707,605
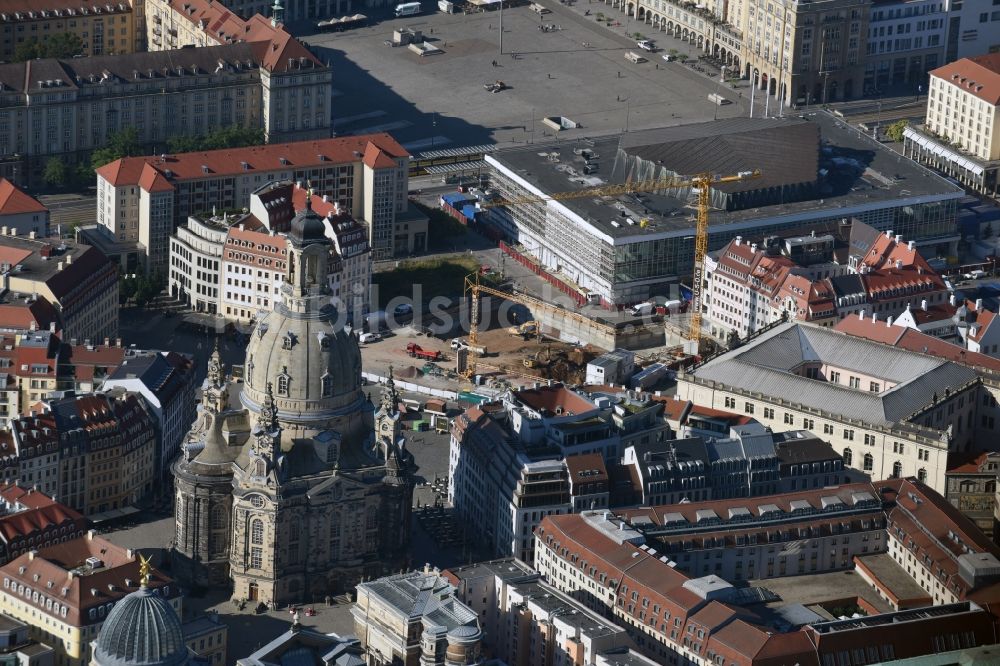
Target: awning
x,y
105,516
933,146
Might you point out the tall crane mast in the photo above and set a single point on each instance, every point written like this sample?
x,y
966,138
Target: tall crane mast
x,y
702,183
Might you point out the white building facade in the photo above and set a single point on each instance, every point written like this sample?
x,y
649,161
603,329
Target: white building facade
x,y
195,260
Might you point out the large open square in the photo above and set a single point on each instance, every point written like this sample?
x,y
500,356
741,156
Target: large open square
x,y
578,71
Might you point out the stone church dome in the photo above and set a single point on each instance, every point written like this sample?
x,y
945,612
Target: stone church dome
x,y
307,225
142,630
312,366
301,347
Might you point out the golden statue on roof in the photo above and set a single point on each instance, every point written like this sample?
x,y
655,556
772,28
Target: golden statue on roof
x,y
145,567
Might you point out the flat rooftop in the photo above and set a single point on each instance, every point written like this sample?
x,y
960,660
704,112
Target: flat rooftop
x,y
816,590
860,174
566,609
893,577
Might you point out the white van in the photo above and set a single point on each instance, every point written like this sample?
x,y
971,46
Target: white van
x,y
365,338
641,309
408,9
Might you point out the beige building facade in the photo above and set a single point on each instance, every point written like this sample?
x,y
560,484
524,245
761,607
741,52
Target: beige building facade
x,y
141,199
961,134
103,29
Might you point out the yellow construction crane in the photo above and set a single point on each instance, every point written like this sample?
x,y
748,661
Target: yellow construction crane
x,y
701,183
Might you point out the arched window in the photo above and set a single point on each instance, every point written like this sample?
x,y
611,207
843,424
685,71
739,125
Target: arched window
x,y
327,385
922,475
257,532
219,518
869,462
897,469
283,383
848,456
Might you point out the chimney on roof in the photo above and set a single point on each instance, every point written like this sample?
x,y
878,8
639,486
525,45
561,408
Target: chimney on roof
x,y
951,300
912,245
908,308
69,259
52,327
888,320
923,305
62,265
861,314
31,234
739,240
888,234
899,263
753,247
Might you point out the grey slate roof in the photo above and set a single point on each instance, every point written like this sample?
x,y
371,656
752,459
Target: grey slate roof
x,y
786,150
427,595
765,364
142,629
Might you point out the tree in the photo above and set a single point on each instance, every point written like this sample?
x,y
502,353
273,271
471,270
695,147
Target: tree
x,y
126,289
895,130
55,174
147,288
63,45
233,136
60,45
124,143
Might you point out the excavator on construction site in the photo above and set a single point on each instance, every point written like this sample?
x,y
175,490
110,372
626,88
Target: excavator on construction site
x,y
700,184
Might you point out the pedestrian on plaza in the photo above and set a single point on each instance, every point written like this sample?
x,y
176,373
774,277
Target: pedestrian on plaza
x,y
619,75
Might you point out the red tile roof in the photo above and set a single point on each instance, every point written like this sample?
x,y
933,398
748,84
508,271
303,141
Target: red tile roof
x,y
118,576
915,341
267,158
275,46
672,408
969,462
152,180
13,255
556,399
979,75
14,201
37,314
587,468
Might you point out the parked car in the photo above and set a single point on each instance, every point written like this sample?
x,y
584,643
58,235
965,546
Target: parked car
x,y
365,338
646,45
403,309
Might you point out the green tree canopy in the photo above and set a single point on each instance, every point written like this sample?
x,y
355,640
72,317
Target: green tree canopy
x,y
60,45
124,143
55,174
233,136
895,130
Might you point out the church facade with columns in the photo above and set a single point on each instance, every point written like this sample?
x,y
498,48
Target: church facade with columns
x,y
298,487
